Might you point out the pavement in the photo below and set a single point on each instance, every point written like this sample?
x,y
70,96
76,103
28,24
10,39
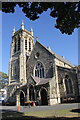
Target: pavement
x,y
39,108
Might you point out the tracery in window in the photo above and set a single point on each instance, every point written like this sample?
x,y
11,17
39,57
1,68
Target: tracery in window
x,y
68,84
39,70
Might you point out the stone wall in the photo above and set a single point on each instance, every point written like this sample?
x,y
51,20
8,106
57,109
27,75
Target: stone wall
x,y
78,76
62,64
38,92
44,57
62,72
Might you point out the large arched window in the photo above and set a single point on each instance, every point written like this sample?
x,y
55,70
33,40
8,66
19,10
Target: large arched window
x,y
39,70
68,84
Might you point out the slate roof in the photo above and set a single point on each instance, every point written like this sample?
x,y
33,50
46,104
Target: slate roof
x,y
41,81
57,56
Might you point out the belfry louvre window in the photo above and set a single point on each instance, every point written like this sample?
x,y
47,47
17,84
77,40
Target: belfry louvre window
x,y
18,43
25,44
29,45
39,70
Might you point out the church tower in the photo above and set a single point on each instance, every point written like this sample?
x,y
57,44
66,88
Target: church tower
x,y
21,47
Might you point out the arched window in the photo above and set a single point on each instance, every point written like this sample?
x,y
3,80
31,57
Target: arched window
x,y
39,70
68,84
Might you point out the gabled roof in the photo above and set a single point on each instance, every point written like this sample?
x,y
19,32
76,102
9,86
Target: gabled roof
x,y
56,55
41,81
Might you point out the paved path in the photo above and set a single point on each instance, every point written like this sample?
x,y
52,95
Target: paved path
x,y
39,108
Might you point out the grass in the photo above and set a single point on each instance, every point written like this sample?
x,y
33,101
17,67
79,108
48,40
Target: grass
x,y
42,114
51,113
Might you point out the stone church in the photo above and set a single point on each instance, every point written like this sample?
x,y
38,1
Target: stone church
x,y
37,74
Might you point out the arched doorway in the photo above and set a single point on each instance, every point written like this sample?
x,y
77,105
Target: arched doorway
x,y
44,100
31,93
21,98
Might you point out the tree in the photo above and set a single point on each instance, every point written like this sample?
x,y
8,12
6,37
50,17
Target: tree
x,y
3,79
67,14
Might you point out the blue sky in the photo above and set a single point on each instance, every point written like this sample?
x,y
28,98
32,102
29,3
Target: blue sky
x,y
48,35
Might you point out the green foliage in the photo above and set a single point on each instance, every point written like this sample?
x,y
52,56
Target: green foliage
x,y
3,79
67,14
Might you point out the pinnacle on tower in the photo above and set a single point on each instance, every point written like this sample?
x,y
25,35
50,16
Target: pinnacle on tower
x,y
22,25
31,30
14,30
36,38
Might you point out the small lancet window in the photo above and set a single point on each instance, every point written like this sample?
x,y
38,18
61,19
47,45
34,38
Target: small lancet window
x,y
15,70
29,45
14,45
25,44
11,71
18,43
